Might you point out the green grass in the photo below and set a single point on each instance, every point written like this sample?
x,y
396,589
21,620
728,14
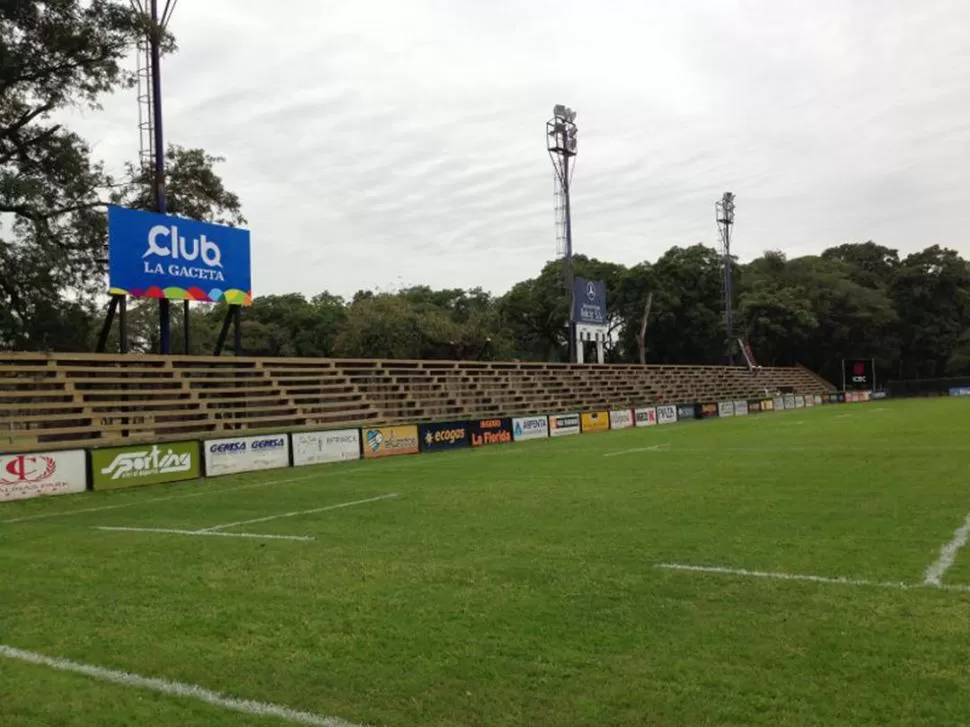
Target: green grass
x,y
517,585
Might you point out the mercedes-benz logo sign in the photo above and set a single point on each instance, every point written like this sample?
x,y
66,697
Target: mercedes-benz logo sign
x,y
591,290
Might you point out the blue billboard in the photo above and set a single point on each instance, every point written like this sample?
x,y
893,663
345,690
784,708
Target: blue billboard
x,y
589,302
162,256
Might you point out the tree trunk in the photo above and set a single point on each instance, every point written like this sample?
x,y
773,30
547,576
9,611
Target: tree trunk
x,y
642,335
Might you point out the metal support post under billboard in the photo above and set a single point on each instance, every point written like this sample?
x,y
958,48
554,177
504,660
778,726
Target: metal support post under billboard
x,y
233,318
155,40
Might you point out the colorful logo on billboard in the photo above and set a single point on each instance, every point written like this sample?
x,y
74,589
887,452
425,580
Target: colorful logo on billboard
x,y
589,301
597,421
23,476
131,466
859,374
161,256
491,431
443,436
390,441
530,428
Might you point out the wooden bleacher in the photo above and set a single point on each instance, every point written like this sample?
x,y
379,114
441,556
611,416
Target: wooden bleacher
x,y
53,401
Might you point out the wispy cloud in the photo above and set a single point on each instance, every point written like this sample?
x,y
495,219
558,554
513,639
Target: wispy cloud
x,y
378,141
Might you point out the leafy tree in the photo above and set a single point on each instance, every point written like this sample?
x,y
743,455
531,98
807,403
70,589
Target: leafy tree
x,y
54,54
931,293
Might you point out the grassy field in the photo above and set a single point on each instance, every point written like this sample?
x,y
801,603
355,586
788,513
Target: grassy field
x,y
521,584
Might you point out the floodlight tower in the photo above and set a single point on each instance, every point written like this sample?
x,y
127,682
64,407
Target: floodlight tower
x,y
724,214
150,126
561,138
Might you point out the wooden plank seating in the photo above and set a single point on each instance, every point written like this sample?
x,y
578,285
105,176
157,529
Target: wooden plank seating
x,y
50,401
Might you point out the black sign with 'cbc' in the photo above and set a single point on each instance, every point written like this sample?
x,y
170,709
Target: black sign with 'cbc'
x,y
858,374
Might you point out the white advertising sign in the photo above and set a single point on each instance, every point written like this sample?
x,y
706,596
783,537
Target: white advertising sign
x,y
809,401
320,447
561,425
666,414
23,476
799,402
740,408
524,428
725,409
779,402
246,454
621,419
645,416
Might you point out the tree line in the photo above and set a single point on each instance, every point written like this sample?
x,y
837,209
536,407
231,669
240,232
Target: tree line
x,y
864,300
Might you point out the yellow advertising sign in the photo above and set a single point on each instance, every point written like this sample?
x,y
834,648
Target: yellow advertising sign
x,y
390,441
597,421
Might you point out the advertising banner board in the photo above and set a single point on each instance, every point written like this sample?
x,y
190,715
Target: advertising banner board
x,y
789,401
754,406
161,256
39,474
562,425
485,432
725,408
858,374
809,401
525,428
645,416
667,414
767,405
116,468
686,412
246,454
621,418
589,299
799,402
708,410
390,441
321,447
596,421
440,436
740,408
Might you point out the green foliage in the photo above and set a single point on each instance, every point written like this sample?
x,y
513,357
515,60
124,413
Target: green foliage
x,y
853,300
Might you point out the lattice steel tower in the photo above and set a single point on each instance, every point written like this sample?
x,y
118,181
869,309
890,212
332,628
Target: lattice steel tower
x,y
724,214
561,142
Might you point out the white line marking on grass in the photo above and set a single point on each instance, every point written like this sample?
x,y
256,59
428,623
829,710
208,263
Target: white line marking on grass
x,y
181,496
298,512
655,448
260,536
806,577
842,416
948,554
176,689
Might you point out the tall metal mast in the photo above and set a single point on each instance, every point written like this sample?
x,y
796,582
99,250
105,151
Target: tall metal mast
x,y
561,142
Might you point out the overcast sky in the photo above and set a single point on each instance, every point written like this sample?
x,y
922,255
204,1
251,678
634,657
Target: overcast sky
x,y
380,143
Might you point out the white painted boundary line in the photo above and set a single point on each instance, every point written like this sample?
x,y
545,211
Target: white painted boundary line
x,y
214,528
182,496
806,577
948,554
176,689
655,448
259,536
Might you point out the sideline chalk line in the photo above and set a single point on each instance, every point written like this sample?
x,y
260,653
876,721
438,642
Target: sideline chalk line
x,y
806,577
176,689
215,529
948,554
655,448
173,531
180,496
298,512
